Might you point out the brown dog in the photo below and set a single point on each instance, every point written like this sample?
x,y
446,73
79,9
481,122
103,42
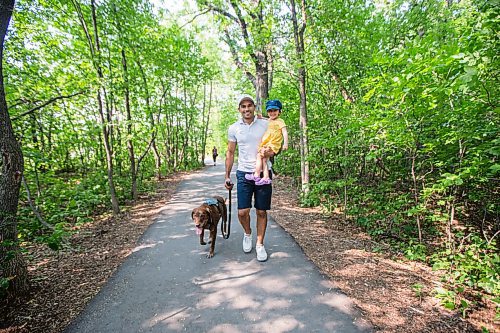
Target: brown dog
x,y
207,216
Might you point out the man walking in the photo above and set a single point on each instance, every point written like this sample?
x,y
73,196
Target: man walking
x,y
246,133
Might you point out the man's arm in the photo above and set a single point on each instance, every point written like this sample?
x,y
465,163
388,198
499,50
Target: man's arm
x,y
231,147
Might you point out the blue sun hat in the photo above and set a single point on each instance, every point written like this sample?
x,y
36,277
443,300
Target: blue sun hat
x,y
273,104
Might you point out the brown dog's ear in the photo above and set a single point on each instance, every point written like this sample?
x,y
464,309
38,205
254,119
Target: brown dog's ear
x,y
208,210
192,214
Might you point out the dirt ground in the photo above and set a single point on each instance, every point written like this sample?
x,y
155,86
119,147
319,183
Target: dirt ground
x,y
381,284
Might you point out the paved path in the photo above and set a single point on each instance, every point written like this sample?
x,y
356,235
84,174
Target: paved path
x,y
168,285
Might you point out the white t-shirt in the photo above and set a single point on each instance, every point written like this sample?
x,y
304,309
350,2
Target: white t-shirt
x,y
247,137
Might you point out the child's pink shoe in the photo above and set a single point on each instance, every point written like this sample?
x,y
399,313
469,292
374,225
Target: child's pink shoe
x,y
250,176
263,181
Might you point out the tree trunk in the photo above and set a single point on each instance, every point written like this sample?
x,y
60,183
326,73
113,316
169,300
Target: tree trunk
x,y
207,121
301,71
416,194
149,112
130,143
262,82
12,266
258,52
104,122
157,156
169,125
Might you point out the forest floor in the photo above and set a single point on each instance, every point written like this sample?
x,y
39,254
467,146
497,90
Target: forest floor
x,y
381,283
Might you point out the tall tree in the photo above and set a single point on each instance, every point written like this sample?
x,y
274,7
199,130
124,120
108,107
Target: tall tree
x,y
130,141
12,267
95,53
205,120
105,122
248,37
298,35
52,89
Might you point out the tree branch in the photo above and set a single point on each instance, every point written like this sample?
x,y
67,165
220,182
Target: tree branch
x,y
244,30
239,20
84,26
237,60
50,101
222,12
194,17
343,91
18,102
304,18
139,160
33,208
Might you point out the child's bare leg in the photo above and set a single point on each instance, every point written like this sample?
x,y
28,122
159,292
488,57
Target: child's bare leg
x,y
260,163
265,170
258,166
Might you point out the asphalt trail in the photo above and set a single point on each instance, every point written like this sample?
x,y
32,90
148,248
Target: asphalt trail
x,y
168,285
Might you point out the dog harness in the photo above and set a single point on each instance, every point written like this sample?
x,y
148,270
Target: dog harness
x,y
213,202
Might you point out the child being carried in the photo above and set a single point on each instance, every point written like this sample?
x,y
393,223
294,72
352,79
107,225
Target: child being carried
x,y
271,142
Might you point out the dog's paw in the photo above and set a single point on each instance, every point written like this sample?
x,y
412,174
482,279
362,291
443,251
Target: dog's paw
x,y
203,243
210,255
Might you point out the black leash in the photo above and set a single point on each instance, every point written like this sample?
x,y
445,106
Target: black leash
x,y
226,226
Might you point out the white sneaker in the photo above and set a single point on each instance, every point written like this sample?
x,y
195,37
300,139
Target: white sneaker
x,y
247,243
261,252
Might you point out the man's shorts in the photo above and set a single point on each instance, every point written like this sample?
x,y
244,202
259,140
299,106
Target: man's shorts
x,y
247,189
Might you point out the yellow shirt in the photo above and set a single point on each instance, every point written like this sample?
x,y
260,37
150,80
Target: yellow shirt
x,y
273,136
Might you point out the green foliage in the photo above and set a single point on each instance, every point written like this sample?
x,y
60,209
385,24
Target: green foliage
x,y
416,251
451,301
65,203
152,106
416,152
447,297
69,201
54,241
418,289
475,264
402,125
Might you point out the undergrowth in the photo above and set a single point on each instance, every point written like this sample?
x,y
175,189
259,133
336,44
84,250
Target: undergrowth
x,y
469,261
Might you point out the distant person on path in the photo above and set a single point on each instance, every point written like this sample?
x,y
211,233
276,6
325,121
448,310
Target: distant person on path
x,y
247,133
214,154
275,135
